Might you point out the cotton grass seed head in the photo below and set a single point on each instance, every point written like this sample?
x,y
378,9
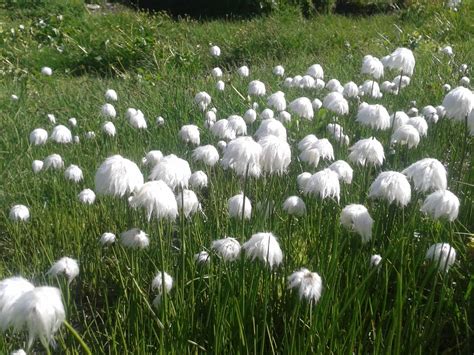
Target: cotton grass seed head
x,y
357,218
442,255
202,257
351,90
256,88
236,207
38,136
406,135
108,111
316,71
117,176
266,114
67,266
294,206
243,71
243,156
111,95
216,72
109,129
158,200
374,116
152,158
309,285
11,289
375,260
202,99
265,247
207,154
61,134
190,134
188,202
402,60
215,51
279,70
391,186
86,196
367,151
37,166
336,103
458,103
53,161
302,179
198,180
135,239
19,213
427,174
136,118
276,155
46,71
107,238
343,171
325,184
441,204
73,173
227,248
372,66
302,107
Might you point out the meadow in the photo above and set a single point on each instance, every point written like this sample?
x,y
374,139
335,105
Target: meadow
x,y
404,302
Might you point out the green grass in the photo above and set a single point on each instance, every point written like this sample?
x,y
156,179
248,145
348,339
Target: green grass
x,y
158,64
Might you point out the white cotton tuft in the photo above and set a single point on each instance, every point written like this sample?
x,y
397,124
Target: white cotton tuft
x,y
188,202
256,88
391,186
227,248
202,99
67,266
273,127
402,60
160,121
324,183
111,95
398,119
135,239
107,238
277,101
250,116
109,129
367,151
198,180
220,85
427,174
442,254
190,134
336,103
202,257
136,118
316,71
118,176
243,156
302,179
309,285
47,71
72,122
157,199
294,206
61,134
19,213
307,142
371,89
174,171
372,66
458,103
374,116
264,246
40,311
420,124
11,289
38,136
215,51
375,260
53,161
235,206
223,130
237,124
162,287
406,135
319,149
73,173
275,156
108,110
334,85
152,158
216,72
208,154
279,70
243,71
37,166
441,204
357,218
51,118
343,170
430,114
86,196
351,90
302,107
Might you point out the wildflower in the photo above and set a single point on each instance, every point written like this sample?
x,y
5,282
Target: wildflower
x,y
388,87
51,118
208,154
160,121
448,50
41,311
202,99
190,134
76,139
188,202
86,196
442,254
222,145
118,176
198,179
53,161
321,148
37,166
107,238
237,124
275,156
243,71
398,119
357,218
18,352
162,283
11,289
316,71
375,260
279,70
294,205
307,82
157,199
61,134
351,90
307,142
108,110
324,183
266,114
343,170
336,103
334,85
406,135
273,127
403,60
136,118
370,88
302,107
202,257
236,207
277,101
264,246
216,72
250,116
38,136
391,186
309,285
427,174
430,114
66,266
109,129
152,157
401,81
90,134
372,66
223,130
256,88
243,156
458,103
227,248
302,179
374,116
111,95
367,151
135,239
441,204
72,122
284,117
73,173
215,51
220,85
47,71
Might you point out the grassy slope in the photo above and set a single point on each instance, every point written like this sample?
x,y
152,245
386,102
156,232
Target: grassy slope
x,y
402,308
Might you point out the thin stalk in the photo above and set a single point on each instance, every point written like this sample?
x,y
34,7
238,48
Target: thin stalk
x,y
78,338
